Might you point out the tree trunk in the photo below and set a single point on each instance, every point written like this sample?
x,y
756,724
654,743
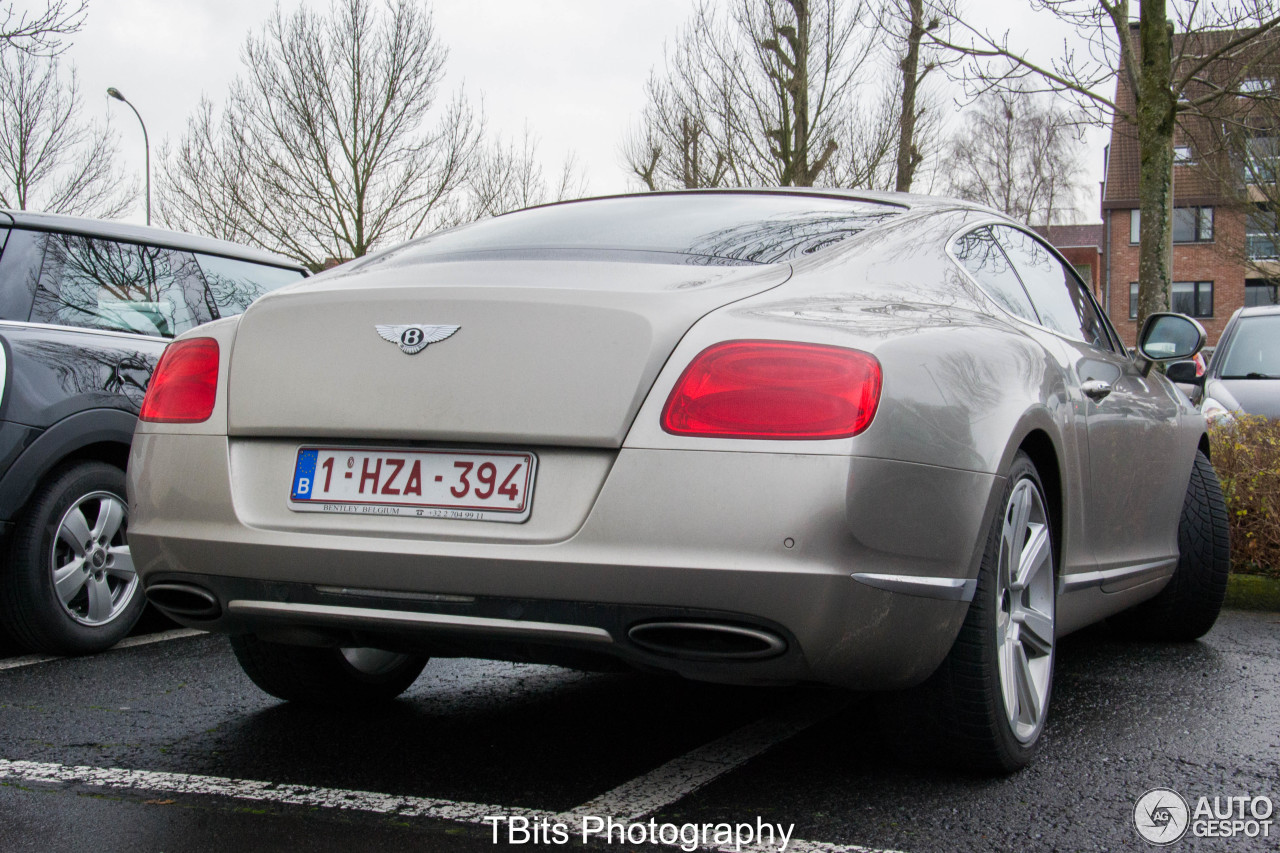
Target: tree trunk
x,y
1156,119
908,155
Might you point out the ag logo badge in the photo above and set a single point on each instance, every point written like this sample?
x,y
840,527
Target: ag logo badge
x,y
414,338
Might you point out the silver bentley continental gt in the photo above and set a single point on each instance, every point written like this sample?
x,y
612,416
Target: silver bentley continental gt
x,y
879,442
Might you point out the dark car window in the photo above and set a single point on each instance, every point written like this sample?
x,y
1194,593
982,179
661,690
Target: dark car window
x,y
126,287
730,227
230,285
978,253
1254,349
1060,299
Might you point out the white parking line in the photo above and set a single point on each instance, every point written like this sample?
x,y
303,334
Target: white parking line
x,y
247,789
127,643
626,804
681,776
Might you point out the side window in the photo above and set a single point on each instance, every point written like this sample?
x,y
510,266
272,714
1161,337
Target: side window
x,y
1060,299
19,271
978,253
123,287
230,285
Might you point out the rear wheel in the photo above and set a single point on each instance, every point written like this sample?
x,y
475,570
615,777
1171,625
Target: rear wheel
x,y
69,586
1188,606
991,694
326,676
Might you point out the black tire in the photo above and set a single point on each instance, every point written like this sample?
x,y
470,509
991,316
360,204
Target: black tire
x,y
1188,606
108,601
323,676
966,694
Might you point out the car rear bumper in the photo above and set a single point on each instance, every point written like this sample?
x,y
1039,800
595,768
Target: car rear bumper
x,y
762,543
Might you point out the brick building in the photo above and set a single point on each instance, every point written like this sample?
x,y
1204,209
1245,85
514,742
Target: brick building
x,y
1081,245
1220,261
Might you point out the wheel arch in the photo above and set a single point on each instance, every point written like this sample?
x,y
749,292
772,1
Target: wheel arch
x,y
101,435
1040,448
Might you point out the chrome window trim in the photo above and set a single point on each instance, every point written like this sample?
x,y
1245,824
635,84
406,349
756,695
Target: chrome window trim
x,y
28,324
973,226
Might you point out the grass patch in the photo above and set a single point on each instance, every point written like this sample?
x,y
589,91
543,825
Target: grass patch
x,y
1252,592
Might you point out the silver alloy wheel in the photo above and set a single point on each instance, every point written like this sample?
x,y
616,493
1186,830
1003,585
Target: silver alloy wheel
x,y
371,661
93,574
1025,611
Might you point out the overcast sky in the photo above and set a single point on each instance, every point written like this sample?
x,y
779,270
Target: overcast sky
x,y
572,70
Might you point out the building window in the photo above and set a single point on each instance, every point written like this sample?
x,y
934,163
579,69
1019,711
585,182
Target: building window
x,y
1182,156
1135,225
1254,86
1260,235
1194,298
1192,224
1261,157
1259,292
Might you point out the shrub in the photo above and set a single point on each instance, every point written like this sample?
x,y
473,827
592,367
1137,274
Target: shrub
x,y
1246,455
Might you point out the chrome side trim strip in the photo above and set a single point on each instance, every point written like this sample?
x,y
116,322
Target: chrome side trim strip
x,y
1086,580
333,614
946,589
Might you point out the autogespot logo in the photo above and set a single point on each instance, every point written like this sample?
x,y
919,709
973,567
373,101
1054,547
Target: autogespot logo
x,y
1161,816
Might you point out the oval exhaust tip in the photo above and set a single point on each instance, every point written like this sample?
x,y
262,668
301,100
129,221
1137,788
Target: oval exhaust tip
x,y
706,641
184,600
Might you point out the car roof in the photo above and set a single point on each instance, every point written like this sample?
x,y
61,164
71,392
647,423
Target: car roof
x,y
141,234
1259,310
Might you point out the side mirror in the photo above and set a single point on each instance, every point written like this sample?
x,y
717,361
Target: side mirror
x,y
1184,372
1169,337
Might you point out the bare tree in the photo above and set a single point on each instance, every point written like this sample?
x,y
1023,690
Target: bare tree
x,y
757,94
325,148
907,23
1218,44
1018,154
40,33
51,159
508,176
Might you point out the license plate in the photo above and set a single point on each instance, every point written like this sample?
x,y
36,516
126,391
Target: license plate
x,y
455,484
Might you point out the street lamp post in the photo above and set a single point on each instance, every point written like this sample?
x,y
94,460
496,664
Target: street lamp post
x,y
115,93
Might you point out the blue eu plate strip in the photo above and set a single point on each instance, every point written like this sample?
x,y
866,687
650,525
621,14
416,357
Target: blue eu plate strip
x,y
304,474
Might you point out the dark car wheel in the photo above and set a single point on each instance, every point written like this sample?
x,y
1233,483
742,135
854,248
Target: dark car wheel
x,y
1188,606
69,585
326,676
991,695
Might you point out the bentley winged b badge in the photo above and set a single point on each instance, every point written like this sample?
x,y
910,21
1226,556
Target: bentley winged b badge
x,y
414,338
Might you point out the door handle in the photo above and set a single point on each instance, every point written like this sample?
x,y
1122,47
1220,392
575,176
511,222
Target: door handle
x,y
1095,389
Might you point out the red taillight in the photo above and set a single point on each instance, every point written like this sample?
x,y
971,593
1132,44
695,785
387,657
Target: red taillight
x,y
774,389
185,383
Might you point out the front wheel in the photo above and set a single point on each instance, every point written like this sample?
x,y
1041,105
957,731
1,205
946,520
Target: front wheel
x,y
326,676
69,586
1188,606
993,689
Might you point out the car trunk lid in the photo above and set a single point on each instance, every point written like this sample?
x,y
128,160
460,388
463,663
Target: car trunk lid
x,y
547,352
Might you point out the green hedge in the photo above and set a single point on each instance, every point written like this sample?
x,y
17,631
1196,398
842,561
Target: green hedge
x,y
1246,454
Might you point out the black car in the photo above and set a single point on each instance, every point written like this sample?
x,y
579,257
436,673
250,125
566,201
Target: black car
x,y
86,308
1243,377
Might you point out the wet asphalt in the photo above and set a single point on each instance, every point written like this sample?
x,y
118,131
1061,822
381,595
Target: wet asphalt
x,y
1202,719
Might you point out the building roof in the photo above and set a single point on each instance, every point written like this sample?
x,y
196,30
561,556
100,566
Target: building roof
x,y
1194,183
1072,236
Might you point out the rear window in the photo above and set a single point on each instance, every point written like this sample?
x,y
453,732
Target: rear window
x,y
232,284
736,228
